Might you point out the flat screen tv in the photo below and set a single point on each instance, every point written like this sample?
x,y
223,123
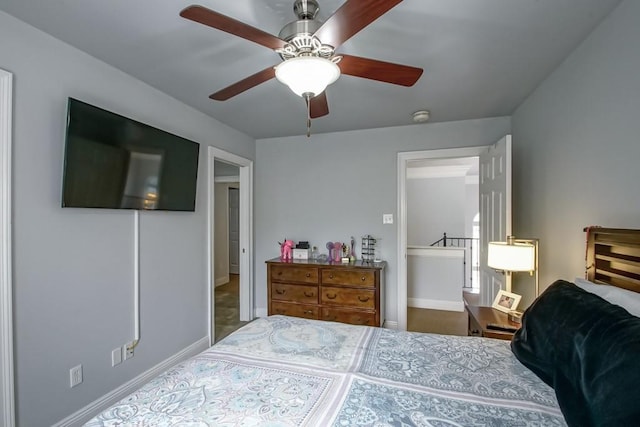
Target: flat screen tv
x,y
114,162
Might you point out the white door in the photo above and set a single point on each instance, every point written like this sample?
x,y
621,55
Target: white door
x,y
495,212
234,231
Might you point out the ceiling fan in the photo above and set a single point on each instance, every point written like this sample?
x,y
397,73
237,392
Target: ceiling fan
x,y
307,48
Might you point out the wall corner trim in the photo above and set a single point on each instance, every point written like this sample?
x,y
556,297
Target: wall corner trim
x,y
7,404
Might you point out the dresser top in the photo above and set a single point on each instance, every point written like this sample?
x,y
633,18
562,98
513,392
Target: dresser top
x,y
356,264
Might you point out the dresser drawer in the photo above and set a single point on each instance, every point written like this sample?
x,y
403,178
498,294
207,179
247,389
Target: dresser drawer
x,y
296,310
281,273
349,297
349,316
348,277
305,294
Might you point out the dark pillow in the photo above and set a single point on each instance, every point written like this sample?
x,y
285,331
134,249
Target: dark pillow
x,y
588,350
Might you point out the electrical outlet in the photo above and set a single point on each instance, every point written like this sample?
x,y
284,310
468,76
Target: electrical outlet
x,y
116,356
75,376
127,350
387,218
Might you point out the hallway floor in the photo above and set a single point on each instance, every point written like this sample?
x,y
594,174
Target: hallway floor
x,y
228,307
437,321
441,321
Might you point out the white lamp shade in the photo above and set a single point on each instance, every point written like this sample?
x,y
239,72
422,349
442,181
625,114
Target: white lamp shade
x,y
515,257
307,74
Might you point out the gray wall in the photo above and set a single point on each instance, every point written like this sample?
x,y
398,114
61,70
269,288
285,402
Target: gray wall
x,y
336,185
435,206
73,268
576,147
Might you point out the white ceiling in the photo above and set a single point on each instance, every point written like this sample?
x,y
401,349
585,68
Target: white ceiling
x,y
481,58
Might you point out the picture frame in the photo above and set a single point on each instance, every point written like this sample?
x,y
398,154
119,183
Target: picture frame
x,y
506,301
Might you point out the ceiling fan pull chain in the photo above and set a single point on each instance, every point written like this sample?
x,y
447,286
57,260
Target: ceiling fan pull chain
x,y
307,97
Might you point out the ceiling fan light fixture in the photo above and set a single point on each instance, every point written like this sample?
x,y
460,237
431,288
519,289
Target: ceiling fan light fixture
x,y
307,75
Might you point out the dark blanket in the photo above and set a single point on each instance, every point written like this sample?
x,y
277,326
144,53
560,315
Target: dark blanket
x,y
588,350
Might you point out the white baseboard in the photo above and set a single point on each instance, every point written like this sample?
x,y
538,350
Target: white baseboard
x,y
85,414
390,324
261,312
221,281
435,304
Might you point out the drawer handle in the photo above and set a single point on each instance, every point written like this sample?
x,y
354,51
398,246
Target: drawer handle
x,y
309,294
363,299
281,291
308,312
308,274
279,273
332,296
330,276
364,278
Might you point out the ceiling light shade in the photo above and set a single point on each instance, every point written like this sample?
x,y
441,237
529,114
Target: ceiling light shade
x,y
307,74
511,257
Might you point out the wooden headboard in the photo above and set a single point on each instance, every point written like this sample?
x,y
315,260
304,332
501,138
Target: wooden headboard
x,y
613,257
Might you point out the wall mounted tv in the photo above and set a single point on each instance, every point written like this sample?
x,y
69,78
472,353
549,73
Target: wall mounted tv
x,y
118,163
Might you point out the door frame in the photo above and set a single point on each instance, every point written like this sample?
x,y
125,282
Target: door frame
x,y
7,397
246,234
403,159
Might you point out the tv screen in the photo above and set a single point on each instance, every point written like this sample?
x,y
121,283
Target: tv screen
x,y
118,163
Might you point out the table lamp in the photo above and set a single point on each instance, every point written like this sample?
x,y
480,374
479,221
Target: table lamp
x,y
514,255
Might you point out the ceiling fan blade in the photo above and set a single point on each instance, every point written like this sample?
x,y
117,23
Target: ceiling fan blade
x,y
373,69
350,18
224,23
319,106
244,84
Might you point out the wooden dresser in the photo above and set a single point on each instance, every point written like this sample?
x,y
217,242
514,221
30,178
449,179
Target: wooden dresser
x,y
349,293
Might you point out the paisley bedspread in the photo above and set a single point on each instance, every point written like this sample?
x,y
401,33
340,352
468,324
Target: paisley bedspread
x,y
285,371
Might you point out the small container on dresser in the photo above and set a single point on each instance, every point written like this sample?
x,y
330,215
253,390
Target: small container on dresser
x,y
349,293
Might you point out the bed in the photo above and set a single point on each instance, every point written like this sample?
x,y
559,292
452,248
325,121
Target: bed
x,y
287,371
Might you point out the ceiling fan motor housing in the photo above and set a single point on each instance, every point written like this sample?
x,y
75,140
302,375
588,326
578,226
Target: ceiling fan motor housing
x,y
306,24
299,34
300,27
306,9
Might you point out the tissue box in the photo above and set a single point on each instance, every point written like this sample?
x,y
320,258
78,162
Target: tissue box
x,y
301,253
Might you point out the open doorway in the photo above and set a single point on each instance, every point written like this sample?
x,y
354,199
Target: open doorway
x,y
495,212
442,200
230,242
226,299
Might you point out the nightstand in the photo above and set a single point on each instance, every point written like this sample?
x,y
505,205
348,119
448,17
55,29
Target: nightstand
x,y
479,317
